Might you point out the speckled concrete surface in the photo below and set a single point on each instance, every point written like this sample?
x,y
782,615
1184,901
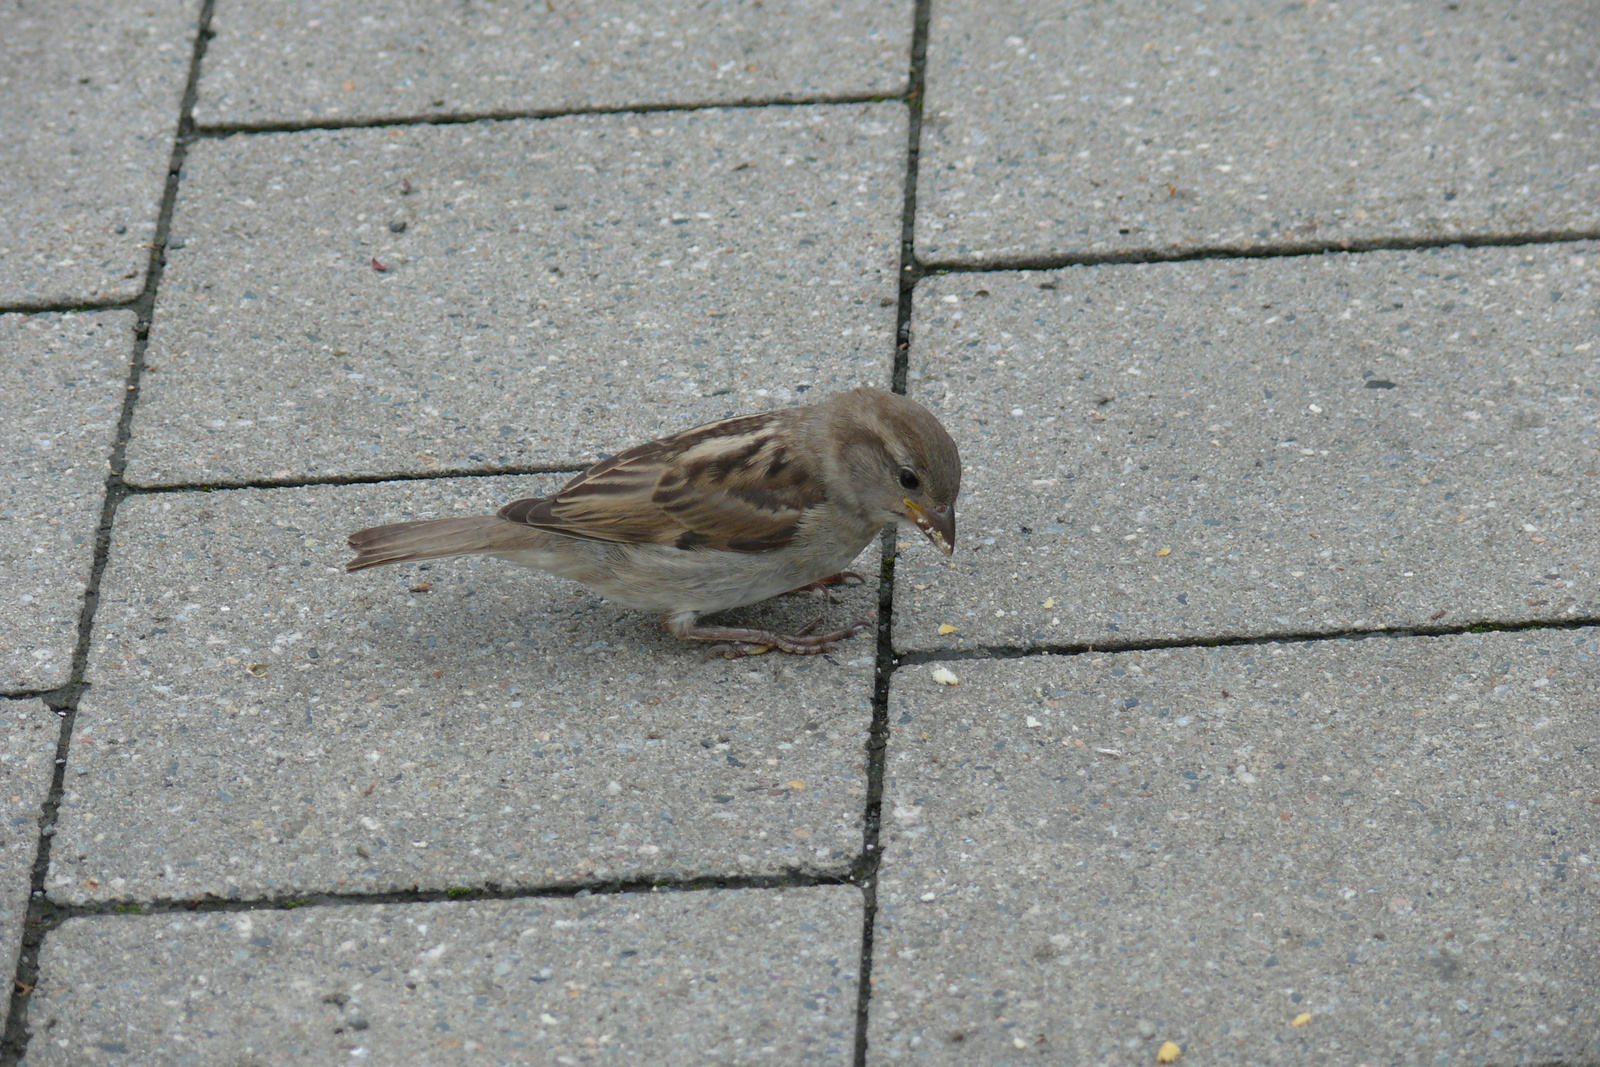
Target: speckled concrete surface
x,y
549,290
92,94
1057,129
1378,851
260,723
1295,849
60,399
737,977
315,60
29,734
1301,445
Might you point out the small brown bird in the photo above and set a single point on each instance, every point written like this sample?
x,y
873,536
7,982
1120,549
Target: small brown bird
x,y
722,515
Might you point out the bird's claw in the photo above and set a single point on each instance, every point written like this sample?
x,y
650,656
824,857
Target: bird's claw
x,y
821,587
736,642
737,651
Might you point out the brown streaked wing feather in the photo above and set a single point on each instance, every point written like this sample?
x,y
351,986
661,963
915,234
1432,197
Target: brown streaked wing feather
x,y
732,485
607,502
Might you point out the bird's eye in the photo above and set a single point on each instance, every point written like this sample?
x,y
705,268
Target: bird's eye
x,y
908,479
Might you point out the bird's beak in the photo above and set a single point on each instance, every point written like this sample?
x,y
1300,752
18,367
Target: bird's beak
x,y
939,525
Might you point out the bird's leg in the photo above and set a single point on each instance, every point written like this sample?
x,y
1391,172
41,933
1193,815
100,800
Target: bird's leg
x,y
848,579
751,641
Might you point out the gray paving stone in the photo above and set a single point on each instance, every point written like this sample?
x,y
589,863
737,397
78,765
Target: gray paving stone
x,y
29,732
712,977
1086,857
92,96
561,288
309,60
60,399
1057,129
260,723
1214,449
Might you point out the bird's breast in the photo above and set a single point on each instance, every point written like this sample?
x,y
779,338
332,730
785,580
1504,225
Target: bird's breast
x,y
665,578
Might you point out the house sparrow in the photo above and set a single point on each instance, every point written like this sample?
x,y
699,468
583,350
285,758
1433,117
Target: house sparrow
x,y
722,515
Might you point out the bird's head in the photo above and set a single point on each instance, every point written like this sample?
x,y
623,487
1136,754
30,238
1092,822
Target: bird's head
x,y
902,463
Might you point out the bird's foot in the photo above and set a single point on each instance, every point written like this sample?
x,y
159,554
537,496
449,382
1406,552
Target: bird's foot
x,y
739,641
822,586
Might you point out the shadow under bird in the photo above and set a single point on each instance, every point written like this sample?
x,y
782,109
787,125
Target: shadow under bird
x,y
721,516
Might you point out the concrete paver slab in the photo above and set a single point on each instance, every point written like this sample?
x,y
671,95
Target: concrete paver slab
x,y
260,723
92,95
29,732
555,288
60,400
1216,449
311,60
1086,857
1055,129
723,977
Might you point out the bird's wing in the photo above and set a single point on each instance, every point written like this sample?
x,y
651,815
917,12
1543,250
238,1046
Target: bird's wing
x,y
738,485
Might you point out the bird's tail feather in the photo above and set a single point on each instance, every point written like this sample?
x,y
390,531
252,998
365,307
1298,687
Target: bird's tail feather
x,y
431,539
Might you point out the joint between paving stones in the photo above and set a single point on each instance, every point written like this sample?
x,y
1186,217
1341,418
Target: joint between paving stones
x,y
1273,250
913,658
354,479
911,271
42,917
208,903
218,131
49,696
69,307
865,875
